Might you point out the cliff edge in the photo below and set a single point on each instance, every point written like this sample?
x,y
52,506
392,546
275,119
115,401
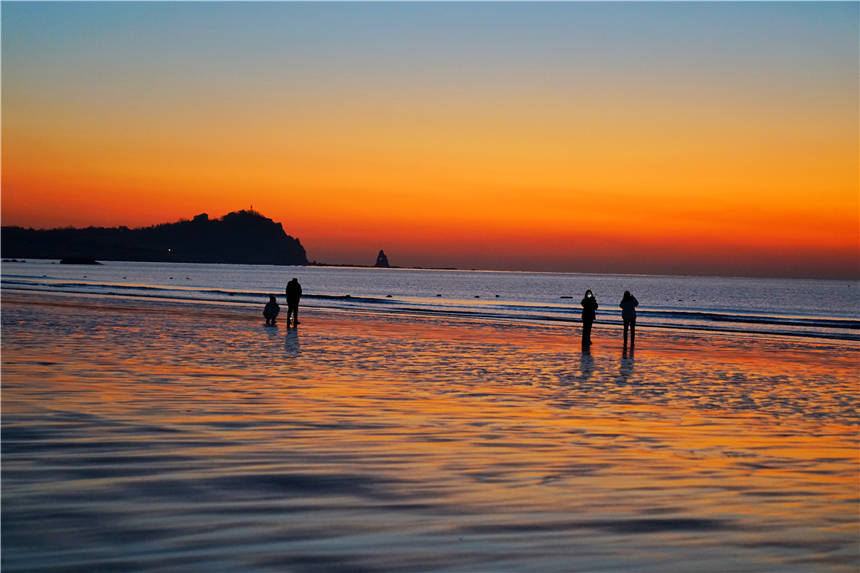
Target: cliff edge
x,y
243,237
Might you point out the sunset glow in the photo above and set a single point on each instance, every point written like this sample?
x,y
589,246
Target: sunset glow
x,y
648,138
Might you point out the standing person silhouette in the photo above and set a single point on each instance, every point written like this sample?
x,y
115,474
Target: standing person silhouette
x,y
294,293
589,308
628,315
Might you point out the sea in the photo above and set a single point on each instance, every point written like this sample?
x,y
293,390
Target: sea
x,y
424,421
828,309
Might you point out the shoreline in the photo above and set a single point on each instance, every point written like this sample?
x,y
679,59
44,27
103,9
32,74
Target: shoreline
x,y
313,264
601,328
562,343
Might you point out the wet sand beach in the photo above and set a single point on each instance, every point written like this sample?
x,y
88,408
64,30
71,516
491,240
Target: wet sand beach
x,y
142,435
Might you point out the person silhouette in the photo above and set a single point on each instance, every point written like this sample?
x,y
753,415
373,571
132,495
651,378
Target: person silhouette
x,y
270,312
294,293
589,308
628,315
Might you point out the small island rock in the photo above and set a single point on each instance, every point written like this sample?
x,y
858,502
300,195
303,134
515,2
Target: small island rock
x,y
381,260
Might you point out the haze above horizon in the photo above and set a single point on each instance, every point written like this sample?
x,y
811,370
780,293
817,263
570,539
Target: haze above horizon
x,y
629,138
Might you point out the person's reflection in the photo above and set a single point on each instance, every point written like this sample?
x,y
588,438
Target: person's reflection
x,y
291,343
586,365
625,366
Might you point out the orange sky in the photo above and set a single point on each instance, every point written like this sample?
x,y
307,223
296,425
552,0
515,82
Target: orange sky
x,y
739,160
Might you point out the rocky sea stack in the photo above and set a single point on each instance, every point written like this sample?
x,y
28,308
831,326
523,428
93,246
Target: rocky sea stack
x,y
381,260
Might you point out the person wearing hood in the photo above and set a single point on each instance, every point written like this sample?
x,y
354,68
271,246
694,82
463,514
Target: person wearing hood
x,y
589,313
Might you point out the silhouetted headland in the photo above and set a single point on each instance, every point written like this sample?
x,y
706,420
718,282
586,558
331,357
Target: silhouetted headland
x,y
244,237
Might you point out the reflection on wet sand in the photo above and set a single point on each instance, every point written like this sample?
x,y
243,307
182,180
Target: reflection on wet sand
x,y
146,435
586,364
291,343
625,366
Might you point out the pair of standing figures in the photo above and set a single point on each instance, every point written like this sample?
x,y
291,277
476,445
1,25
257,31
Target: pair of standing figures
x,y
294,294
628,315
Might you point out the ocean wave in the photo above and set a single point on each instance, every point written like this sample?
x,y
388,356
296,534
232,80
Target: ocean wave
x,y
538,311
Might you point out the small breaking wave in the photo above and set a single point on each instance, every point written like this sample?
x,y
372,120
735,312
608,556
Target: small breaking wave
x,y
478,309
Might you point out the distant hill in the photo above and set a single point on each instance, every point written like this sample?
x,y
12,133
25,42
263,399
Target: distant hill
x,y
239,237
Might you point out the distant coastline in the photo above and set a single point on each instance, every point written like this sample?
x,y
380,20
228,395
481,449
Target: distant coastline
x,y
238,237
348,265
248,237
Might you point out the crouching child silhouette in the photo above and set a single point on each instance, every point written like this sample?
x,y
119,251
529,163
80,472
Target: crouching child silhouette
x,y
270,312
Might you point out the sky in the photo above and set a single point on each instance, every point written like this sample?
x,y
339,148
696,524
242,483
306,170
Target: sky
x,y
660,138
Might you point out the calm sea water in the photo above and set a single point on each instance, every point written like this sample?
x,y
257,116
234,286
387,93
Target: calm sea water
x,y
811,308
